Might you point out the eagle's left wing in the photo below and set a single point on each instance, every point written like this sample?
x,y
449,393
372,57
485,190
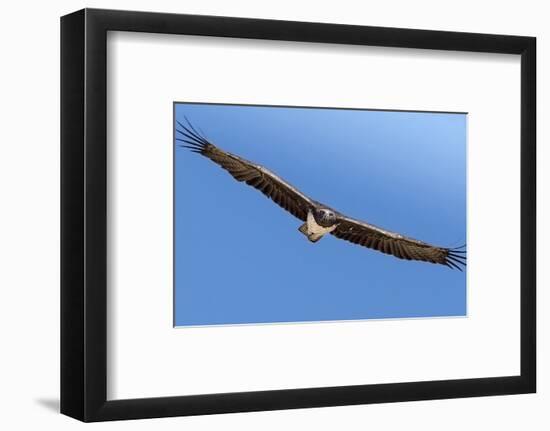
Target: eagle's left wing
x,y
271,185
400,246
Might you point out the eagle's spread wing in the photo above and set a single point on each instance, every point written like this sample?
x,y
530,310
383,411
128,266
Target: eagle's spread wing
x,y
271,185
370,236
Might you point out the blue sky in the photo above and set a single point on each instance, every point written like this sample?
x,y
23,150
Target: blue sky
x,y
239,258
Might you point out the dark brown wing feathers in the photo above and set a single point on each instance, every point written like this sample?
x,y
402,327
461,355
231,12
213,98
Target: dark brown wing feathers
x,y
397,245
272,186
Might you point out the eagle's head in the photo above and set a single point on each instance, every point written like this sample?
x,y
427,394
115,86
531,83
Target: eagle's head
x,y
325,217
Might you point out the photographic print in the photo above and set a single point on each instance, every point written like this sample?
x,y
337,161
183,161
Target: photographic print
x,y
357,231
312,214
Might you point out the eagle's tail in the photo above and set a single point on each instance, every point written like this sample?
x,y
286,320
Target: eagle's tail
x,y
313,237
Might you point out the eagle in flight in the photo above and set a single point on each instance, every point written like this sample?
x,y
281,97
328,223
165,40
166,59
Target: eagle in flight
x,y
319,219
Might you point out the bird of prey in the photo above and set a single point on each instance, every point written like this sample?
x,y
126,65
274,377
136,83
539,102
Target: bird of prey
x,y
319,219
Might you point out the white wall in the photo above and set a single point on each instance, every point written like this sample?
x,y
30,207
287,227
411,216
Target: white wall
x,y
29,228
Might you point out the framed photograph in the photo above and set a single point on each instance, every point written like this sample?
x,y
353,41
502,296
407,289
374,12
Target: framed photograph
x,y
262,215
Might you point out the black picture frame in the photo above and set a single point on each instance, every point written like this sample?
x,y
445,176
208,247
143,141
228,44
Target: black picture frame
x,y
84,214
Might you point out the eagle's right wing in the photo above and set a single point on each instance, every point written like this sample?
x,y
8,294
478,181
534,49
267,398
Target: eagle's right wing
x,y
368,235
274,187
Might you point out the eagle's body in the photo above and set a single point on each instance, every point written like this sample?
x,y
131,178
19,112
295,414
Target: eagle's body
x,y
319,219
313,230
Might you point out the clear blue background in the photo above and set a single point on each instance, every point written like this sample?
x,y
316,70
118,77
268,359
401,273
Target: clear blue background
x,y
239,258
